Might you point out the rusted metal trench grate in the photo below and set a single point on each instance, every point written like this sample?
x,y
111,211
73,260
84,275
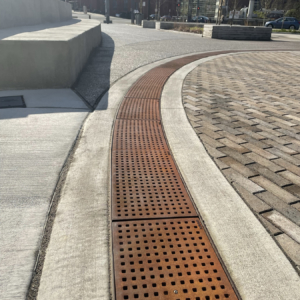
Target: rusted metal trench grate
x,y
167,259
135,108
160,248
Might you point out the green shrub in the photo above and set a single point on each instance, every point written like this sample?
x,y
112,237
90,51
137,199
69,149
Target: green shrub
x,y
295,13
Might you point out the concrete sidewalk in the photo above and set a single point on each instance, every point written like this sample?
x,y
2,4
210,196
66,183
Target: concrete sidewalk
x,y
34,144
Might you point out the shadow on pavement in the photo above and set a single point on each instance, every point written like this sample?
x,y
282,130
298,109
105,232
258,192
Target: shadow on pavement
x,y
95,78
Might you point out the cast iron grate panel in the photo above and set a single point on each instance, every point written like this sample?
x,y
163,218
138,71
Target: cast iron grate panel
x,y
138,135
167,259
132,108
12,101
150,85
146,184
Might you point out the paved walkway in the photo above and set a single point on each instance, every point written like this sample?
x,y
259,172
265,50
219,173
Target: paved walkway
x,y
245,109
34,144
78,262
125,49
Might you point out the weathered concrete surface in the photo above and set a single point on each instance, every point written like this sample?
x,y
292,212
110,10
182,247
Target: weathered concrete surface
x,y
34,143
226,32
164,25
256,264
44,56
32,12
148,24
59,98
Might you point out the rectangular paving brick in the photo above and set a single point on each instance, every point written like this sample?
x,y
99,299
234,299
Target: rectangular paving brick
x,y
214,152
287,210
229,129
264,162
291,177
249,185
208,140
208,125
289,133
296,205
233,145
274,177
290,158
280,120
282,148
259,151
235,138
274,189
253,141
252,200
293,189
237,166
273,230
287,226
209,133
220,164
291,247
252,134
273,132
243,159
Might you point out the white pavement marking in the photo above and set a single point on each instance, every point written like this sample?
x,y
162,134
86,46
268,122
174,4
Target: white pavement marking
x,y
256,264
63,98
34,143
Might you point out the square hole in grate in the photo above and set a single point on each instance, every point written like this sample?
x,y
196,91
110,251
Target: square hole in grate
x,y
178,261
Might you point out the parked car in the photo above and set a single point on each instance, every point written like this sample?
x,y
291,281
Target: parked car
x,y
200,19
125,15
166,18
285,23
153,17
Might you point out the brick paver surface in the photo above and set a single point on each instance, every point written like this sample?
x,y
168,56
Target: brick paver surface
x,y
245,108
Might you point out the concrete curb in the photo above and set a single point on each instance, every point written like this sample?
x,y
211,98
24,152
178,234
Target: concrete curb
x,y
256,264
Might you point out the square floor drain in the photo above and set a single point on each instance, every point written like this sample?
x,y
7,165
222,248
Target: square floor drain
x,y
12,101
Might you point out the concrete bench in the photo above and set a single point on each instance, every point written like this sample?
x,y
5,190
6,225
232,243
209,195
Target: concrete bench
x,y
226,32
148,24
46,56
172,25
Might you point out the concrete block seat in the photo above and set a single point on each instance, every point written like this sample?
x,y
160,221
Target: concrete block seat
x,y
46,55
237,32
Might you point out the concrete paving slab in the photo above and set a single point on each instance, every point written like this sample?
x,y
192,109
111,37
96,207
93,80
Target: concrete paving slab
x,y
34,143
62,98
257,266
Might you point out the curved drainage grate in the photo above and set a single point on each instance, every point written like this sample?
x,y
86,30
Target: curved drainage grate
x,y
167,259
160,248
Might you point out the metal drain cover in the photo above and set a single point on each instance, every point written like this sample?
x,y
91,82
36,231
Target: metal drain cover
x,y
167,259
12,101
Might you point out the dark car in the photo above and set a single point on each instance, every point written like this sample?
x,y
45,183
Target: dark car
x,y
200,19
125,15
166,18
153,17
285,23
